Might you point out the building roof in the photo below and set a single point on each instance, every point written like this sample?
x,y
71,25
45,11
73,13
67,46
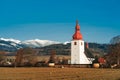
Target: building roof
x,y
77,35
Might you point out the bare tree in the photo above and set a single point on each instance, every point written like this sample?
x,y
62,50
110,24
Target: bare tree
x,y
2,55
52,57
19,57
114,53
24,55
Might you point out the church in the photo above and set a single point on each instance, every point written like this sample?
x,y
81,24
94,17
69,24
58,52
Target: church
x,y
78,56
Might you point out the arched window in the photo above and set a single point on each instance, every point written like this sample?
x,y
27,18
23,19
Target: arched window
x,y
75,43
81,43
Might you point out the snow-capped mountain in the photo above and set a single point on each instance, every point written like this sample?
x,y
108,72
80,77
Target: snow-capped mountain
x,y
115,40
38,43
11,40
12,44
65,43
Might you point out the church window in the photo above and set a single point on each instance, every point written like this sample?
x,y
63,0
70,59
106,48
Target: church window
x,y
81,43
75,43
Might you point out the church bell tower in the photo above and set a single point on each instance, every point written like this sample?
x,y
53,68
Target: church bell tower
x,y
77,48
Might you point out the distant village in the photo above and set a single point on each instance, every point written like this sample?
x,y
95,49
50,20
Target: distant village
x,y
75,54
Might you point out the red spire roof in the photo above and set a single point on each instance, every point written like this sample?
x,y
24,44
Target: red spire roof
x,y
77,35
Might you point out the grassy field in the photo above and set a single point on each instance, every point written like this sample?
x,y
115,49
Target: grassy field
x,y
59,74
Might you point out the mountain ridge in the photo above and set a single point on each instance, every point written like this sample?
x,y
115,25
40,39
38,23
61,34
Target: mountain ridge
x,y
115,40
13,44
44,47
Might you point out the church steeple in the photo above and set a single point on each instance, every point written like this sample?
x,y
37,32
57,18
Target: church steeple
x,y
78,48
77,35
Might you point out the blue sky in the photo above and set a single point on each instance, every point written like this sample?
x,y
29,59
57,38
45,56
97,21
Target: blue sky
x,y
55,19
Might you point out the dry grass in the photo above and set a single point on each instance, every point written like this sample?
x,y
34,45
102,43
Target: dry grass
x,y
59,74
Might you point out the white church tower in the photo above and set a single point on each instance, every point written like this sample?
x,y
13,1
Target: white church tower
x,y
77,48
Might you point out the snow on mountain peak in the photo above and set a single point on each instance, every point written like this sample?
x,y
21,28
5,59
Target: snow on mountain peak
x,y
65,43
13,44
12,40
39,43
